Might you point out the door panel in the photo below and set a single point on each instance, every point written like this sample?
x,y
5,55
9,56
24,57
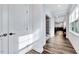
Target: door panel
x,y
5,28
18,25
21,20
0,30
13,40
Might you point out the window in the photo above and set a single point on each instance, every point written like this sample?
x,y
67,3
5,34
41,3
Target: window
x,y
77,12
74,21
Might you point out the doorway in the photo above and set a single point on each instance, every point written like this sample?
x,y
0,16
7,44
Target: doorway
x,y
60,26
47,25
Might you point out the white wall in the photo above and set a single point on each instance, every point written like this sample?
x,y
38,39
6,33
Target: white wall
x,y
38,26
59,21
37,29
52,27
74,39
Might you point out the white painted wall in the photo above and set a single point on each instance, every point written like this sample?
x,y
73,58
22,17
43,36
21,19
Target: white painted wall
x,y
38,24
36,34
30,34
74,39
59,21
52,25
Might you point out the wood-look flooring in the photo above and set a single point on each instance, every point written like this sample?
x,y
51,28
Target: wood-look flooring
x,y
57,45
32,52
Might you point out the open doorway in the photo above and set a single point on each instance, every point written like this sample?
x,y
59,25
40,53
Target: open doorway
x,y
60,27
47,26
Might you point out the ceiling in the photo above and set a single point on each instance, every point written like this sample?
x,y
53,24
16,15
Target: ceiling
x,y
57,9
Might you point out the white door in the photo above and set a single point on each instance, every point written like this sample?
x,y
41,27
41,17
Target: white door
x,y
18,26
5,39
21,20
4,48
13,39
0,31
22,24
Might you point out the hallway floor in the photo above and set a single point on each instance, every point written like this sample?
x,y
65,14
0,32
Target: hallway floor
x,y
58,45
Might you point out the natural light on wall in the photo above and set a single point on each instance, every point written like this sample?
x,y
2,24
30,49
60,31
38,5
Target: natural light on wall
x,y
74,21
26,40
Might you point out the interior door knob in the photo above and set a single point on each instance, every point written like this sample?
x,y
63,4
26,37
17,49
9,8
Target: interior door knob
x,y
11,33
4,35
0,35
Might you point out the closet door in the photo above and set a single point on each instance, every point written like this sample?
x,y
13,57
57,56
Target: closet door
x,y
22,25
5,39
13,38
21,20
0,31
18,26
4,29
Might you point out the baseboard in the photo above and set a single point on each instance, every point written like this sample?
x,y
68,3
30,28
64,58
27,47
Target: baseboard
x,y
39,51
25,50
